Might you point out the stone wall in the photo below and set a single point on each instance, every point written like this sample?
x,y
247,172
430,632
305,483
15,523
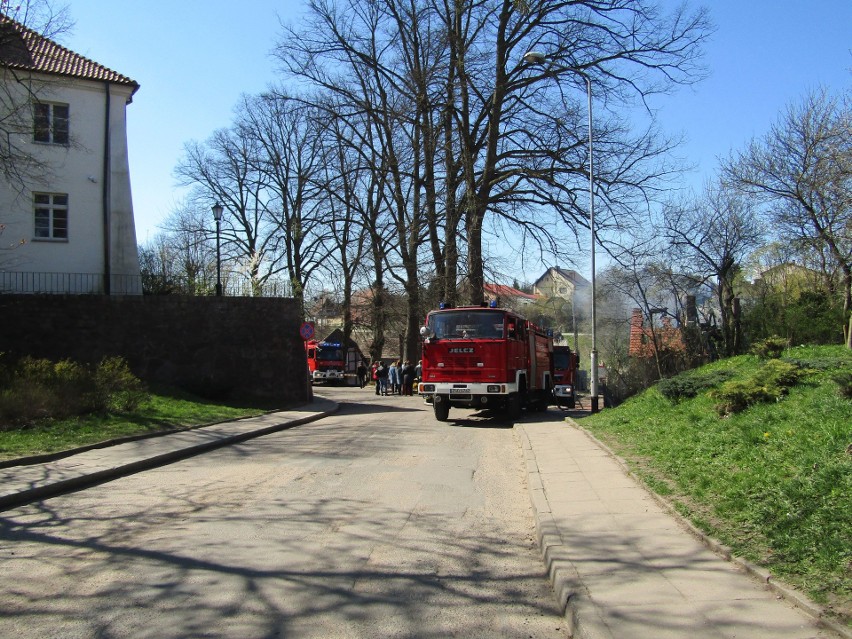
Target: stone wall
x,y
225,347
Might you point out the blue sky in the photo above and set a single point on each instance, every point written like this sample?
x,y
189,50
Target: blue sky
x,y
194,58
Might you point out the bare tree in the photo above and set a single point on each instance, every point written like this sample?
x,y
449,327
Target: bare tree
x,y
289,158
225,169
484,132
370,204
22,24
521,140
181,259
711,238
802,170
342,183
358,52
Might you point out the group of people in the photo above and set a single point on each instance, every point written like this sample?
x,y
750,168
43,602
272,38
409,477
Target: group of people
x,y
396,379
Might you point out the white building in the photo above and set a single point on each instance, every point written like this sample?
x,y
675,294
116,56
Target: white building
x,y
71,221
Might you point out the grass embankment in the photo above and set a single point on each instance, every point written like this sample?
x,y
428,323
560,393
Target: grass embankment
x,y
772,481
162,410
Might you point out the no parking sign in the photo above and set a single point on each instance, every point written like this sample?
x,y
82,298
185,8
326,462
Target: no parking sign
x,y
306,331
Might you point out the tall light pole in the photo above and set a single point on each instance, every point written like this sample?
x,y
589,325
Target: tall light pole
x,y
536,57
217,215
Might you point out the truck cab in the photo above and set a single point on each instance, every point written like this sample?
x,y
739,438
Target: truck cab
x,y
485,357
565,365
326,361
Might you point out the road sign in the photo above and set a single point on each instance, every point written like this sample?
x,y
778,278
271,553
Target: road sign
x,y
306,331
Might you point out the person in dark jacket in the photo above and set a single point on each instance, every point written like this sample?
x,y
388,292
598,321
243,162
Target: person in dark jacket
x,y
382,375
407,378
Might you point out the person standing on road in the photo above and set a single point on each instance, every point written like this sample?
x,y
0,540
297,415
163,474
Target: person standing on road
x,y
362,374
375,375
382,376
393,377
407,378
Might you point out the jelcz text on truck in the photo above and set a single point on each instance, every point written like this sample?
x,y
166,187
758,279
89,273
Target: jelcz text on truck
x,y
483,357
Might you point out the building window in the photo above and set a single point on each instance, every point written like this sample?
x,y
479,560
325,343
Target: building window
x,y
51,216
50,123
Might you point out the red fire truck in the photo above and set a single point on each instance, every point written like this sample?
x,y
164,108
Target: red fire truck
x,y
326,361
565,364
485,357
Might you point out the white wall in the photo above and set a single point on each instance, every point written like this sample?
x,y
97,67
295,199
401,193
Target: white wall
x,y
78,170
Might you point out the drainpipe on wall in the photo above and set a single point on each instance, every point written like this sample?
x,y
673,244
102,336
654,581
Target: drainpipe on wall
x,y
105,204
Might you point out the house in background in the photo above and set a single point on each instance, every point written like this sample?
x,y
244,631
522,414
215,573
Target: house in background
x,y
72,220
559,282
506,296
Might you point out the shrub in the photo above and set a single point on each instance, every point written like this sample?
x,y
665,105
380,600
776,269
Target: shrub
x,y
816,364
736,396
770,383
776,373
7,368
770,348
843,379
38,388
25,403
37,371
117,388
73,389
689,385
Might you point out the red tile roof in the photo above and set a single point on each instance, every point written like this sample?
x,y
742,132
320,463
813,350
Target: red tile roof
x,y
501,290
24,49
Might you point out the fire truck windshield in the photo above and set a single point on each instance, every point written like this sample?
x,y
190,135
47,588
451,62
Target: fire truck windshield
x,y
467,324
561,359
329,354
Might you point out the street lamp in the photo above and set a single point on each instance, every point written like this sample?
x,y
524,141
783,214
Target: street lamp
x,y
217,215
536,57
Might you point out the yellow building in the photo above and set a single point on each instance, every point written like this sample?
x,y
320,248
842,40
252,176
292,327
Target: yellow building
x,y
559,282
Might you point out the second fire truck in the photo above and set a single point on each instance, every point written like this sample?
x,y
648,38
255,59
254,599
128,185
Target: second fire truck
x,y
326,361
485,357
565,365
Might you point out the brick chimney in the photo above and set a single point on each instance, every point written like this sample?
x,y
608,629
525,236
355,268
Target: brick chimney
x,y
636,348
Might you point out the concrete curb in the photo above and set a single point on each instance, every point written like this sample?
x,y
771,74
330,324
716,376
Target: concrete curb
x,y
62,454
32,494
757,572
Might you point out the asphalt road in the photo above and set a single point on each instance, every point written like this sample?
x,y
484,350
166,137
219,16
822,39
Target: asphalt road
x,y
375,522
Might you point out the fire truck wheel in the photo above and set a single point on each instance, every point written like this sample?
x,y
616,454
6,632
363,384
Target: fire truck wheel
x,y
565,403
513,406
442,408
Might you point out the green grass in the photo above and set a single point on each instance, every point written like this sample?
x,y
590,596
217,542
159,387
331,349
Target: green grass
x,y
773,482
164,410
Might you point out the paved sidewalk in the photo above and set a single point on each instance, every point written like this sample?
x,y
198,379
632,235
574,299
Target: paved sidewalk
x,y
23,484
624,567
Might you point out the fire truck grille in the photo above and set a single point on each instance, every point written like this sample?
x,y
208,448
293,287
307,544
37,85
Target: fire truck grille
x,y
458,366
463,362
